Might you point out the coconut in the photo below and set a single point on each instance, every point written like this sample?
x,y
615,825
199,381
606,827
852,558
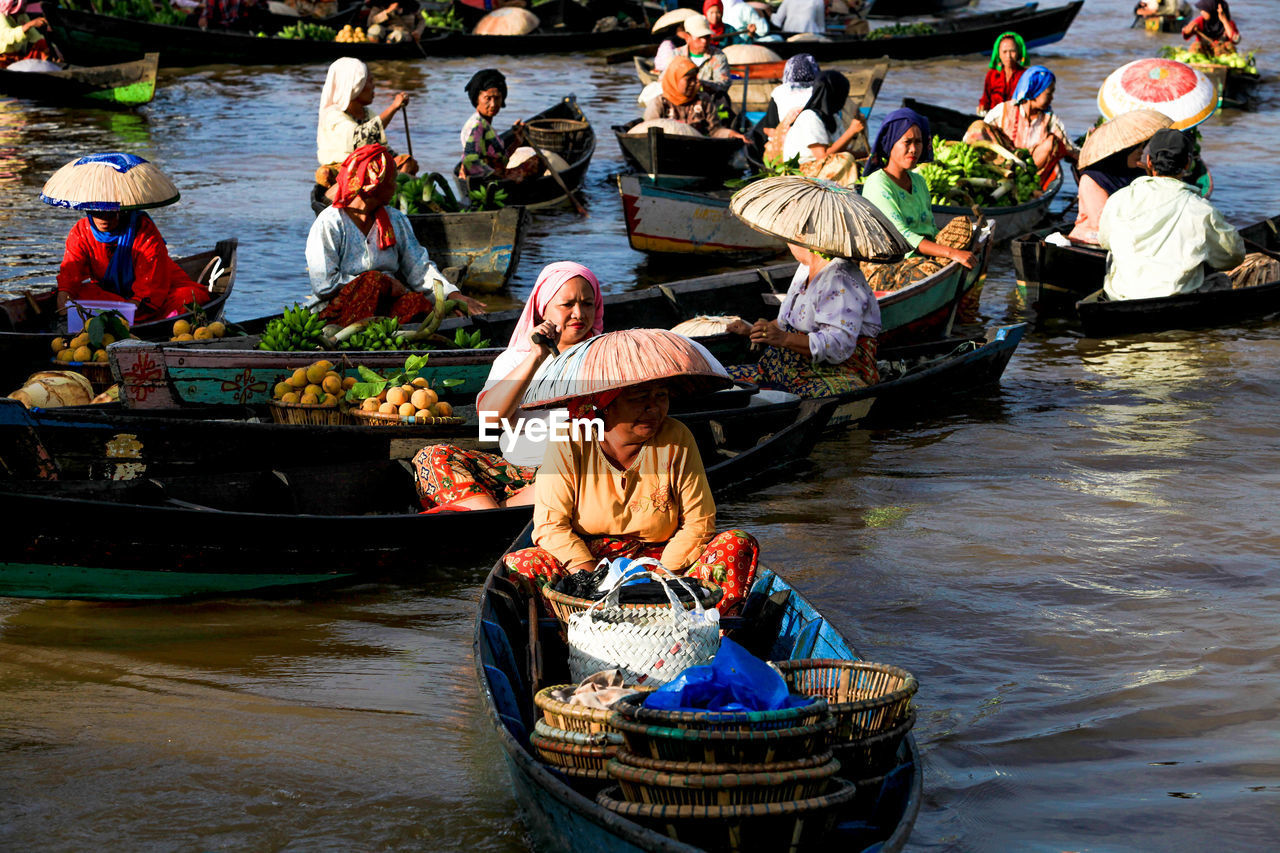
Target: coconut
x,y
524,152
669,126
52,388
705,325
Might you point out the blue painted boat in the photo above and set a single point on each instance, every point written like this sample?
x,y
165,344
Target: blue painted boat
x,y
559,817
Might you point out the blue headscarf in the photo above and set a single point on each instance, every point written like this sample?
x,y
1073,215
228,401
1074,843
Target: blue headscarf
x,y
119,275
1032,83
896,124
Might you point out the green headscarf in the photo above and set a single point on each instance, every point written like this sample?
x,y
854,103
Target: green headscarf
x,y
995,49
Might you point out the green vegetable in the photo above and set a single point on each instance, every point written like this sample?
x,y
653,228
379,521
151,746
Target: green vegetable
x,y
963,175
448,20
143,10
1231,60
302,31
897,30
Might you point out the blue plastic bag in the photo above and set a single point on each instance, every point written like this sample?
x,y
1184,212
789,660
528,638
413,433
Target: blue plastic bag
x,y
735,680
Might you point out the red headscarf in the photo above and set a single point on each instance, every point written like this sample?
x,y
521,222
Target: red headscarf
x,y
717,29
365,170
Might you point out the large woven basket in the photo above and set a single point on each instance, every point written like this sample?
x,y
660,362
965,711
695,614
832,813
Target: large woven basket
x,y
307,414
392,420
546,730
574,756
725,789
712,747
699,767
631,708
563,606
564,136
874,755
865,698
574,718
785,827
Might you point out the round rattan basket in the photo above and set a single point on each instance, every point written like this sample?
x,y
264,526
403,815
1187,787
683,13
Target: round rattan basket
x,y
379,419
865,698
546,730
564,136
573,756
631,708
701,767
723,789
574,718
713,747
97,372
874,755
563,606
307,414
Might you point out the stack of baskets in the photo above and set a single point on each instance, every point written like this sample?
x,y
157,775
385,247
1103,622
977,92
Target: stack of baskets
x,y
574,739
758,780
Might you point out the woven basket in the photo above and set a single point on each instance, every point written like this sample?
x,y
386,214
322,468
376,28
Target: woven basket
x,y
561,135
392,420
785,827
573,756
874,755
956,234
699,767
546,730
574,718
711,747
724,789
307,414
97,372
563,606
865,698
630,708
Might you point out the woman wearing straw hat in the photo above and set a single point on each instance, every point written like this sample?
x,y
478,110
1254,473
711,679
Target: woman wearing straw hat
x,y
638,490
565,308
345,124
684,99
363,257
115,253
1110,160
1008,61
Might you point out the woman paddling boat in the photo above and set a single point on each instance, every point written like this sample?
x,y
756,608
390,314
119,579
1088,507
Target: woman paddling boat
x,y
484,155
345,123
1212,28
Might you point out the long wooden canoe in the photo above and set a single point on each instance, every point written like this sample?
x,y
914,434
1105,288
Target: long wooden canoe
x,y
220,533
682,216
486,244
1237,88
544,191
126,84
907,8
561,817
753,80
29,320
660,153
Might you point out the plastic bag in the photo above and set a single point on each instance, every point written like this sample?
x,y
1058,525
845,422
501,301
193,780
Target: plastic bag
x,y
622,567
735,680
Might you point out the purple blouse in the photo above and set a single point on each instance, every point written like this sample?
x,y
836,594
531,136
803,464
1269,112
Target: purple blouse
x,y
834,310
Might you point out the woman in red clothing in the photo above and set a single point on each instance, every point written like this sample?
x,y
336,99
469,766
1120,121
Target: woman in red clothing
x,y
1008,61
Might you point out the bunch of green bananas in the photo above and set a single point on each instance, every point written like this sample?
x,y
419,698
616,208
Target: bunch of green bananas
x,y
474,340
296,329
1231,60
897,30
307,32
379,334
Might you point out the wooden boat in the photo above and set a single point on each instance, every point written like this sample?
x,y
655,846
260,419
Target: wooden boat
x,y
92,39
1160,23
126,84
956,36
1101,317
561,817
485,244
659,153
754,81
1009,221
29,321
907,8
456,43
545,191
944,122
683,216
226,533
1237,88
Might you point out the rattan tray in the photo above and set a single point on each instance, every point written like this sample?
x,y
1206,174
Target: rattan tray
x,y
307,414
866,698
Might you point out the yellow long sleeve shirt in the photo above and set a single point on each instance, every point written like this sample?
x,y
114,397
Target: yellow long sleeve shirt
x,y
663,497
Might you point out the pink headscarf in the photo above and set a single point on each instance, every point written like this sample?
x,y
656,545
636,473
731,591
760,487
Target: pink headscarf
x,y
11,7
550,280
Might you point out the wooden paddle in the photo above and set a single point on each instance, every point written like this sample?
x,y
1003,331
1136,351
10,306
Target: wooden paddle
x,y
408,140
582,211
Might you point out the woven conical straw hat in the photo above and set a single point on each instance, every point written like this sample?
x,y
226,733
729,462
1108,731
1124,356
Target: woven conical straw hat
x,y
670,19
508,21
109,182
745,54
1124,131
819,215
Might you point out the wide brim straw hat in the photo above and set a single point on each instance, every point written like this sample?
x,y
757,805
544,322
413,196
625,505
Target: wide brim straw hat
x,y
617,360
507,21
109,182
1176,89
1124,131
670,19
746,54
819,215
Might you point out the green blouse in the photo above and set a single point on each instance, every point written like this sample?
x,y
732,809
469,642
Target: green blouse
x,y
910,212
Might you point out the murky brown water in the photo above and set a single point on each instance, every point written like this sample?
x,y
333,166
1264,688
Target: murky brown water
x,y
1079,567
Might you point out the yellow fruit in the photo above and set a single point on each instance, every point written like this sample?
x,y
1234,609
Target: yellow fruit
x,y
58,344
315,374
397,397
388,408
82,353
329,400
108,340
423,398
203,334
443,410
185,337
309,399
218,329
79,340
348,383
332,384
299,378
291,397
100,356
314,390
281,389
65,355
181,327
407,410
420,383
370,404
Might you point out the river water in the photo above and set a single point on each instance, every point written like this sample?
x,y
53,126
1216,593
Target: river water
x,y
1079,566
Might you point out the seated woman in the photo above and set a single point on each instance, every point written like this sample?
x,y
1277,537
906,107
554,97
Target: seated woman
x,y
812,135
565,308
1161,233
1110,160
1212,28
801,16
345,124
641,491
363,257
484,155
1027,121
1008,61
20,36
747,25
684,99
824,340
798,78
713,11
902,195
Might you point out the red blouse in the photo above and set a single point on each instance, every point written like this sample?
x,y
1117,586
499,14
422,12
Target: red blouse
x,y
995,90
158,280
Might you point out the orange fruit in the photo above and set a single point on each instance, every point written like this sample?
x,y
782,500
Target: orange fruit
x,y
309,399
421,383
397,397
181,327
203,334
187,337
65,356
108,340
79,340
370,404
332,384
100,356
348,383
82,353
291,397
314,390
281,389
443,409
423,398
324,364
329,400
315,373
388,408
407,410
299,378
218,329
58,344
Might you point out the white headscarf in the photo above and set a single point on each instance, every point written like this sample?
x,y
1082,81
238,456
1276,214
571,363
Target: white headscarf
x,y
347,76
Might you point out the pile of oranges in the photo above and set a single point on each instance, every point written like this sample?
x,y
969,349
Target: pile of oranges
x,y
412,400
77,350
316,385
183,331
